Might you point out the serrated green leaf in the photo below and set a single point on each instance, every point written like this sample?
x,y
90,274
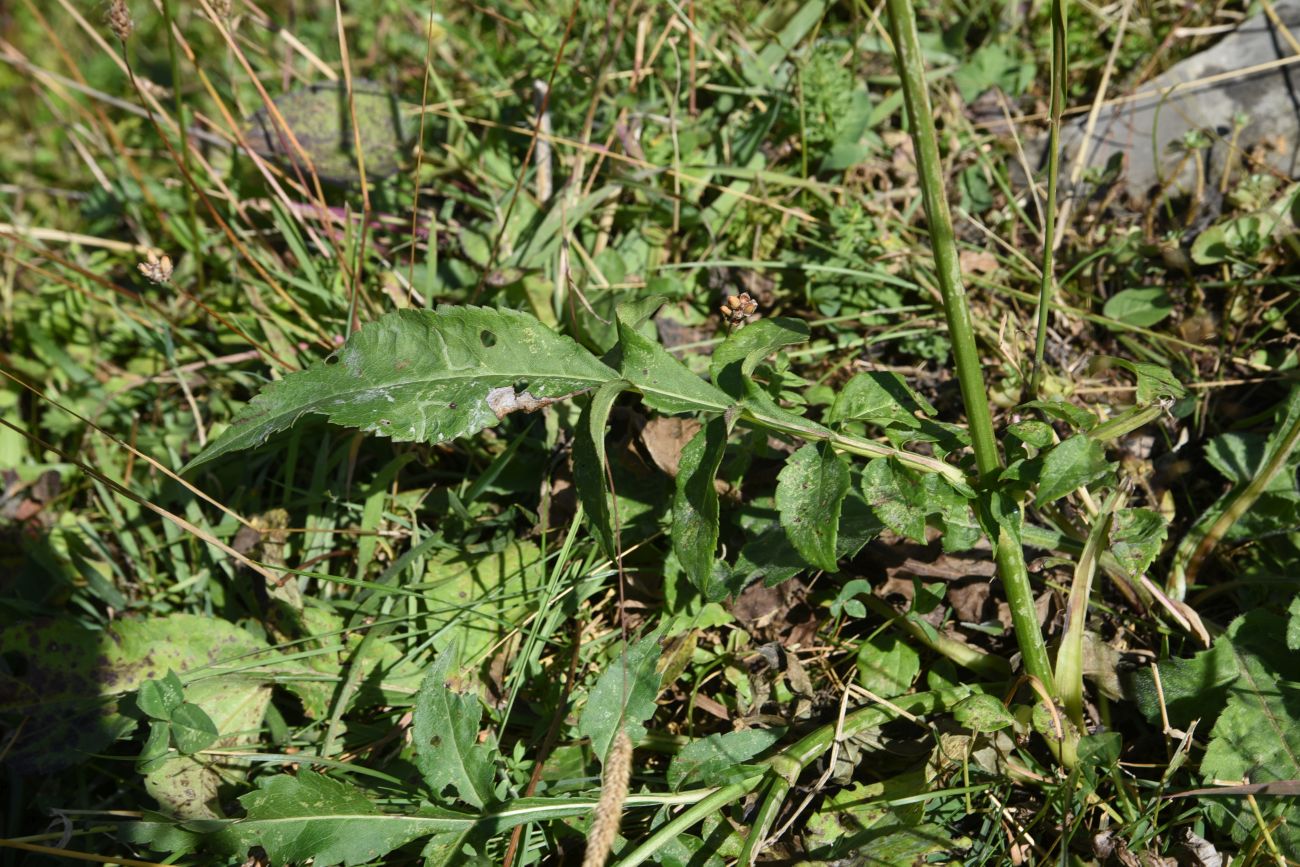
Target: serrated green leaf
x,y
310,816
193,729
810,492
894,496
1074,462
158,698
424,376
711,757
624,696
589,460
665,383
903,499
737,356
879,397
445,732
695,503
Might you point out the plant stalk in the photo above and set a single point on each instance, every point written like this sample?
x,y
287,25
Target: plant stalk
x,y
961,331
1045,292
1008,552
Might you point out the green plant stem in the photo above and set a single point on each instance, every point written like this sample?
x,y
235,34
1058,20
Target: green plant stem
x,y
1045,292
907,49
856,445
183,129
791,762
1009,554
1010,558
1126,422
687,818
763,819
971,658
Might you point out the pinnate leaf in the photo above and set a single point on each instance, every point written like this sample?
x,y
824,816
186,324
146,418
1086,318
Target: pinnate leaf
x,y
810,492
445,730
424,376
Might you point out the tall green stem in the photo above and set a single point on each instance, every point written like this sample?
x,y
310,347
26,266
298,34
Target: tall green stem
x,y
1049,207
1008,551
907,52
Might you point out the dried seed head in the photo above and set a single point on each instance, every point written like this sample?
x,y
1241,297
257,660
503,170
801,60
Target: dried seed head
x,y
615,779
155,269
119,20
739,310
222,8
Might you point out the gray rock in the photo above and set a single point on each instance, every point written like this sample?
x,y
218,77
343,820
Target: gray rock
x,y
1149,132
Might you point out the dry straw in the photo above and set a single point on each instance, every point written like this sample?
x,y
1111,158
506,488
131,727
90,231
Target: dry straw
x,y
609,809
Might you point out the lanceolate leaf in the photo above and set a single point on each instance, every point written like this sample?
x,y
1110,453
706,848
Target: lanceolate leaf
x,y
664,382
809,494
624,697
589,460
695,504
445,730
417,375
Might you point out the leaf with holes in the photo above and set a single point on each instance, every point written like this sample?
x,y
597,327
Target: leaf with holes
x,y
445,728
809,494
424,376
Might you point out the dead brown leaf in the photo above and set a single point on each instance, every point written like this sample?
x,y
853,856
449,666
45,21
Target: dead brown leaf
x,y
664,438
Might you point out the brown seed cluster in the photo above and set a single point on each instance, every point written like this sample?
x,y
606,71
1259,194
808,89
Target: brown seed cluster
x,y
155,269
739,310
119,20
